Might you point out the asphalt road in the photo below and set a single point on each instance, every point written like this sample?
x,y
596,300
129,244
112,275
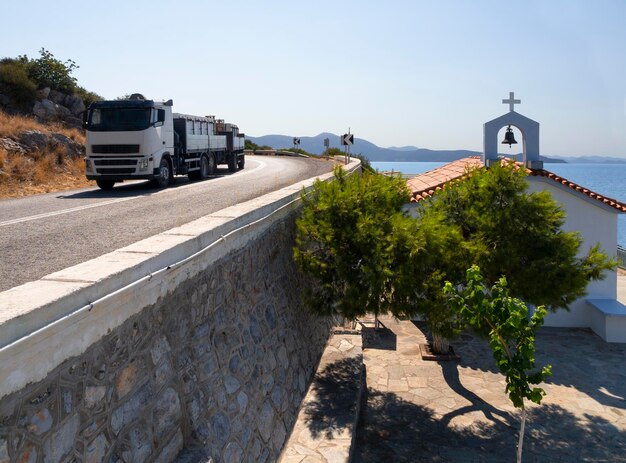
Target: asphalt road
x,y
46,233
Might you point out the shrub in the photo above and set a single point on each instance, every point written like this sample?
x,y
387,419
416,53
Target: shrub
x,y
87,96
16,83
365,163
298,151
47,71
359,247
250,145
332,152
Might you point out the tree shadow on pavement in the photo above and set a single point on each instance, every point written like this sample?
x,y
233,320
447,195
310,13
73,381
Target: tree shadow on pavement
x,y
392,429
579,359
451,375
379,338
335,405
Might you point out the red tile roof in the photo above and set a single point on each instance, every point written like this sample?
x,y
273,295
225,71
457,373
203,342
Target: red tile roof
x,y
427,184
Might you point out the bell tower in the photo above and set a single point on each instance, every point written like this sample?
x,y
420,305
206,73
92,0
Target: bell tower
x,y
528,128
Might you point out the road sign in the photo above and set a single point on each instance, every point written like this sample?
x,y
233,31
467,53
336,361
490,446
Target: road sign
x,y
326,142
296,141
347,139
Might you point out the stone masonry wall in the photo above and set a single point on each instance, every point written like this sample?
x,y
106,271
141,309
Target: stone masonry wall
x,y
221,364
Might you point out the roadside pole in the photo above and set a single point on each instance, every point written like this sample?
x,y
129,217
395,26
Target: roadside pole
x,y
347,140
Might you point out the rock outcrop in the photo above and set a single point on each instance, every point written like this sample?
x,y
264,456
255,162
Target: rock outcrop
x,y
50,105
33,141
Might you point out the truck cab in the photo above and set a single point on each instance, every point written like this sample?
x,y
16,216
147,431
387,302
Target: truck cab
x,y
129,139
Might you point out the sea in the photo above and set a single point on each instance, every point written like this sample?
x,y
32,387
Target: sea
x,y
607,179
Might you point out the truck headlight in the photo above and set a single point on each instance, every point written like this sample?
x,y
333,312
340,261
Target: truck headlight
x,y
143,164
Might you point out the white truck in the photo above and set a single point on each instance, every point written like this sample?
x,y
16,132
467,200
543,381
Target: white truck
x,y
142,139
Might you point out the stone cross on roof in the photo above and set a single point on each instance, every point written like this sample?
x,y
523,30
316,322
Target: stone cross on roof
x,y
511,101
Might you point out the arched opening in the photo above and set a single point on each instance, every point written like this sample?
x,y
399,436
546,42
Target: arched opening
x,y
528,143
516,149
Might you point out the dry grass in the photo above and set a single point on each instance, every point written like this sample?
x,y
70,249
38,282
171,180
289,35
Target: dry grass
x,y
24,176
12,126
43,171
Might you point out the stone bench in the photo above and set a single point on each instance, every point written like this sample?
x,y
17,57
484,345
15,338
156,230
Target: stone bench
x,y
326,424
608,319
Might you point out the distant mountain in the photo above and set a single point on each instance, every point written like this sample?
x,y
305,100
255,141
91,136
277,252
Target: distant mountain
x,y
591,159
372,152
403,148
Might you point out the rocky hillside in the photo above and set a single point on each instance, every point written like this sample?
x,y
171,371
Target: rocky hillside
x,y
43,88
41,139
38,158
53,104
47,106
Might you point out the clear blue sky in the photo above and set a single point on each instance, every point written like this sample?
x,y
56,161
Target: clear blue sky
x,y
423,73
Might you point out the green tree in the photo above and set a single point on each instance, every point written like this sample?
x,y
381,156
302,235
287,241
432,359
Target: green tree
x,y
87,96
332,152
298,151
505,322
47,71
250,145
359,247
365,162
507,231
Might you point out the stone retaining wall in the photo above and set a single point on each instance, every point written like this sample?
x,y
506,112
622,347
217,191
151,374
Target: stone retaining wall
x,y
221,363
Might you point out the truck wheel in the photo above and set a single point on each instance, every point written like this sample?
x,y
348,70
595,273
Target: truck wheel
x,y
241,162
204,167
212,164
194,175
232,162
163,179
105,184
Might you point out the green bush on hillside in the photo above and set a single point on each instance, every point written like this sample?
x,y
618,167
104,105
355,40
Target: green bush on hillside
x,y
21,77
250,145
87,96
298,151
15,82
47,71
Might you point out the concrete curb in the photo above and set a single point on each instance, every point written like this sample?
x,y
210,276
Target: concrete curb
x,y
44,322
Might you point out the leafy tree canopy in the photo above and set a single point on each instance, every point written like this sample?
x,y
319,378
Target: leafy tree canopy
x,y
508,231
48,71
20,77
505,321
359,247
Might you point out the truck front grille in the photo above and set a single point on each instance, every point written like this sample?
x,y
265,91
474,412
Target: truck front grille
x,y
115,171
115,162
114,149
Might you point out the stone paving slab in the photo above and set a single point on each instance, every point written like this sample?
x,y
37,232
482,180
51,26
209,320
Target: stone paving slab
x,y
326,424
424,411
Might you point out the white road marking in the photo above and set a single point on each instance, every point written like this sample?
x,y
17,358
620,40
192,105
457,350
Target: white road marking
x,y
63,211
119,200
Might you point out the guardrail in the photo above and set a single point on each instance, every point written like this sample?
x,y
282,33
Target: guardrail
x,y
45,322
621,256
396,173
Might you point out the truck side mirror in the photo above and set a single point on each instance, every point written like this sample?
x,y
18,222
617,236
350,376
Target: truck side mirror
x,y
161,115
85,114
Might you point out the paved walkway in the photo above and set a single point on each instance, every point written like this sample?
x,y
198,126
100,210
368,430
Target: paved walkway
x,y
325,427
456,411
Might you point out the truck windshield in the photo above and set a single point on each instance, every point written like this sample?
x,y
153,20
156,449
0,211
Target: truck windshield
x,y
118,119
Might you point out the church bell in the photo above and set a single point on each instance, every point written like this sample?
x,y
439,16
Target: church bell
x,y
509,138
